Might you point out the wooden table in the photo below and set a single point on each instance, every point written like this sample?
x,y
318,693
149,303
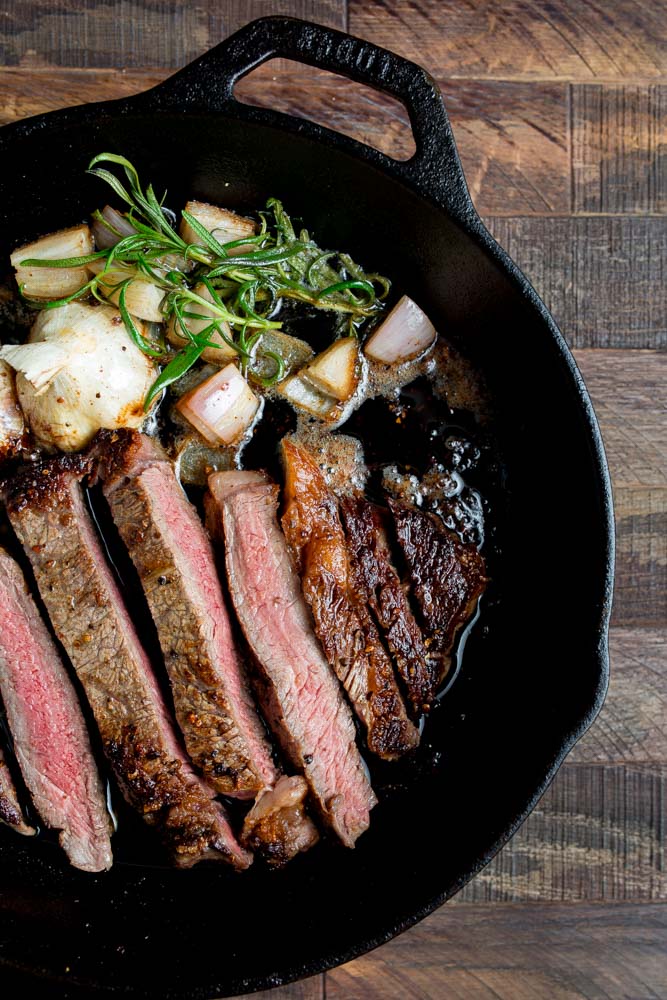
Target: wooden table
x,y
558,107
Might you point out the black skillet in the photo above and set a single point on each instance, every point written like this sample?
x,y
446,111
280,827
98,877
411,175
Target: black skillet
x,y
534,676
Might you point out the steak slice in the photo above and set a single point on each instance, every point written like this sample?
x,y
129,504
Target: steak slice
x,y
51,742
11,813
447,577
46,508
174,559
384,592
299,693
277,827
343,623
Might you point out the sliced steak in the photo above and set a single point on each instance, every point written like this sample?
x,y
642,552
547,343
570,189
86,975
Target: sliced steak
x,y
12,426
447,577
300,695
174,559
51,742
10,808
277,827
343,623
384,592
46,508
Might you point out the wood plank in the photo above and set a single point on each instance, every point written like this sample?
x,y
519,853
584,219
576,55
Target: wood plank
x,y
619,148
632,726
597,834
517,952
629,392
640,596
513,142
25,92
570,39
602,277
306,989
131,33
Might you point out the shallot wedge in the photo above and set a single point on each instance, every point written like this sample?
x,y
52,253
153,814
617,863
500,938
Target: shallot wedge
x,y
53,282
222,408
174,559
304,396
47,511
51,741
110,227
335,371
198,317
300,695
11,813
406,333
225,225
143,298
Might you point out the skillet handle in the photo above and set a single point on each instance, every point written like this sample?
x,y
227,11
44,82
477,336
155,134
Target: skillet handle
x,y
208,82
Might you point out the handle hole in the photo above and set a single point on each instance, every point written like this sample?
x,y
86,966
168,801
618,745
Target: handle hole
x,y
355,110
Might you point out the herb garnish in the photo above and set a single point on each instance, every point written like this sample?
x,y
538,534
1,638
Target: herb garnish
x,y
244,288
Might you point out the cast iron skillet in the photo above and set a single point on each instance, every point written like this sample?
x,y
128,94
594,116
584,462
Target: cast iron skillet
x,y
534,677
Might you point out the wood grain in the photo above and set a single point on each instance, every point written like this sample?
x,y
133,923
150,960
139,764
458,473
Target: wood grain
x,y
307,989
597,834
543,39
33,92
131,33
602,277
629,391
632,726
517,952
641,556
619,148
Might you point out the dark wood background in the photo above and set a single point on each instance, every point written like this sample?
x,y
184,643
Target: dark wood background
x,y
558,108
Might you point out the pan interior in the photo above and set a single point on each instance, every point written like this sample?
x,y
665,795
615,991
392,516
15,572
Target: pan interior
x,y
530,676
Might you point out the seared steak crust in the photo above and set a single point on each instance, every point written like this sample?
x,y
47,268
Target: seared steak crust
x,y
343,623
300,696
384,592
51,742
47,512
10,808
447,576
174,559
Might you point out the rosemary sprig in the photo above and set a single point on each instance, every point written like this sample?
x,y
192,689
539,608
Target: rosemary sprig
x,y
243,287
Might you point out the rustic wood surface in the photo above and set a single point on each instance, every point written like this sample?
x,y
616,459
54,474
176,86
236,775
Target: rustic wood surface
x,y
558,107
